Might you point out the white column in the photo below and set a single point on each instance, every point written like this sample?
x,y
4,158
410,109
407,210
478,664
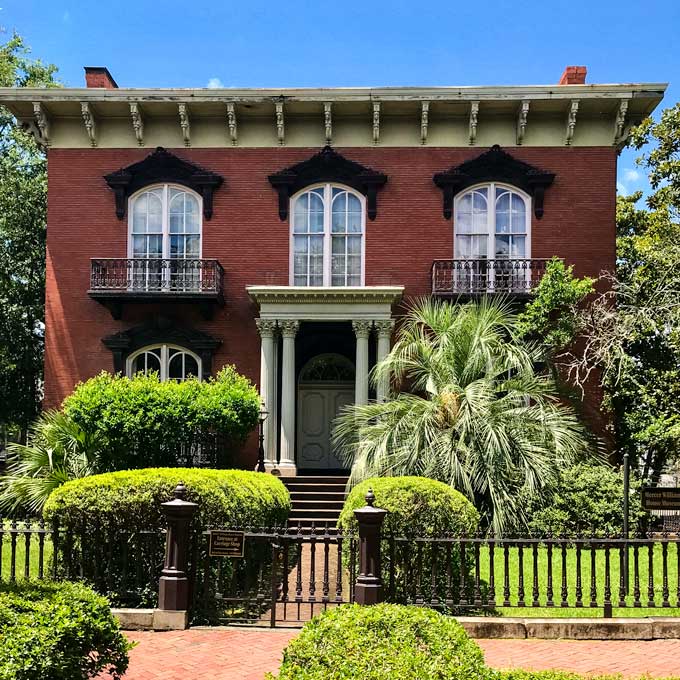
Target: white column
x,y
267,328
288,331
384,328
362,330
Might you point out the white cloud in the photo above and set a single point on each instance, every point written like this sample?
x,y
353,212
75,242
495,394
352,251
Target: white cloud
x,y
622,189
631,175
214,83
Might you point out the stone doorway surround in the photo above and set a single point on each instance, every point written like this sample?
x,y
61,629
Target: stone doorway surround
x,y
282,308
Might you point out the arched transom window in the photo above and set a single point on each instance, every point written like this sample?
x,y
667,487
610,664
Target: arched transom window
x,y
169,361
492,221
327,237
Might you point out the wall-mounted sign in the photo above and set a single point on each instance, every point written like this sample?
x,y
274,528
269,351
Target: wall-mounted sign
x,y
661,498
226,543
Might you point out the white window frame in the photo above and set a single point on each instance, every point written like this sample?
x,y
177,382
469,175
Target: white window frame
x,y
491,228
165,221
165,359
327,233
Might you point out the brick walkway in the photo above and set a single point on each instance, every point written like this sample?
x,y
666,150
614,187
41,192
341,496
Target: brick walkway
x,y
238,654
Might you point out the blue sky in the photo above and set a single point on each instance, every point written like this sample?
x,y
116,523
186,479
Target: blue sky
x,y
173,43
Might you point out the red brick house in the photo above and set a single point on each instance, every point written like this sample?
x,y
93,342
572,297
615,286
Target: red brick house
x,y
279,230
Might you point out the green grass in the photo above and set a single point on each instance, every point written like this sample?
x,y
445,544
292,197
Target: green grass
x,y
586,610
20,560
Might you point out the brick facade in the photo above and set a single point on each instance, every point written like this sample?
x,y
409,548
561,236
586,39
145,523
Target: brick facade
x,y
252,244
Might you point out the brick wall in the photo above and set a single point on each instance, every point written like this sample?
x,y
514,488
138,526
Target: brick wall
x,y
250,241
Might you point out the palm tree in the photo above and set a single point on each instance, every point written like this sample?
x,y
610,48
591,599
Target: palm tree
x,y
472,410
58,450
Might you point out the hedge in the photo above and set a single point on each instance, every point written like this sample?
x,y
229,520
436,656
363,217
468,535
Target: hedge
x,y
395,642
58,631
130,500
383,641
148,423
417,506
110,525
587,501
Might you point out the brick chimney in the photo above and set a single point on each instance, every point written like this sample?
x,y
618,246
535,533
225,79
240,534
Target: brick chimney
x,y
99,76
574,75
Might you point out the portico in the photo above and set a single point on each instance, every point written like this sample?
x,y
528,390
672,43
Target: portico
x,y
282,311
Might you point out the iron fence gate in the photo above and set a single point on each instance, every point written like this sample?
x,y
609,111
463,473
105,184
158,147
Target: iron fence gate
x,y
285,576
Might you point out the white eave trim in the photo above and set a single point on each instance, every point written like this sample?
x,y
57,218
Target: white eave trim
x,y
538,92
316,295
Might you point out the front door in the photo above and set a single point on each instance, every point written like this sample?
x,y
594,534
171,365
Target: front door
x,y
318,405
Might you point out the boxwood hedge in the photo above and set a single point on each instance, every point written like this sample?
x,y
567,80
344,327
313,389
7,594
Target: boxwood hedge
x,y
130,500
383,641
416,506
58,631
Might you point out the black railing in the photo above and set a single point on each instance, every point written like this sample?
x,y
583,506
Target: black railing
x,y
481,276
165,276
27,550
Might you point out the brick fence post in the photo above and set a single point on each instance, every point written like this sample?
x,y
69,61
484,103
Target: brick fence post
x,y
368,588
173,587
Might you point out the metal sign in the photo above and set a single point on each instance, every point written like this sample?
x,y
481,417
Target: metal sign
x,y
226,543
661,498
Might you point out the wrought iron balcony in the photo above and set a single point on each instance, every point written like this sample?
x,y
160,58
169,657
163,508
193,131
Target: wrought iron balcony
x,y
472,278
116,281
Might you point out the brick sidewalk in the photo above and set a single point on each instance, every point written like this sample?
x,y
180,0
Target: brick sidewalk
x,y
238,654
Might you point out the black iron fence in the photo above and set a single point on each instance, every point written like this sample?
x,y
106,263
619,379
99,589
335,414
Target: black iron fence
x,y
482,276
284,576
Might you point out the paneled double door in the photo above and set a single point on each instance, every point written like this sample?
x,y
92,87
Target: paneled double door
x,y
318,405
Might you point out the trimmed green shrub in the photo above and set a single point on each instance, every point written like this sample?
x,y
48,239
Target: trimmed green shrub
x,y
58,631
110,525
384,641
130,500
148,423
588,500
416,506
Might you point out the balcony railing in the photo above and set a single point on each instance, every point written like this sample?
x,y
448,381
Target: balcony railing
x,y
116,281
136,275
481,277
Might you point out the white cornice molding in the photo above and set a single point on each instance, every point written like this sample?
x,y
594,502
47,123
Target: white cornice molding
x,y
424,121
474,115
315,295
519,92
522,121
280,123
137,122
571,121
328,122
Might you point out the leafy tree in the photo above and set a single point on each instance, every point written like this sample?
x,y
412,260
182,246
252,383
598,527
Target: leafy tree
x,y
472,411
23,201
551,316
631,332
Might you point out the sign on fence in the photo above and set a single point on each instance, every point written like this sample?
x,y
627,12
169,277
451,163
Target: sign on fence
x,y
661,498
226,543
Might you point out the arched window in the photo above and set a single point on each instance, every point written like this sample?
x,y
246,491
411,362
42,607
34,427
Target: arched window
x,y
492,228
327,237
165,224
169,361
492,221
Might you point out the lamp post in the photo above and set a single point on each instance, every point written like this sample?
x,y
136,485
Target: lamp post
x,y
626,485
260,452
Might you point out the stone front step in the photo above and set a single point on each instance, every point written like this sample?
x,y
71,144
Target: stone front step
x,y
316,499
